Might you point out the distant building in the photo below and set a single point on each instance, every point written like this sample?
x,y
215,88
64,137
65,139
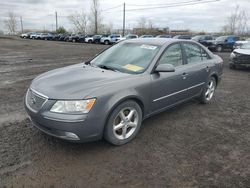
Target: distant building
x,y
152,31
180,32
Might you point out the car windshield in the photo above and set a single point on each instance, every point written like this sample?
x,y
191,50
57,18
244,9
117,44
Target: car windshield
x,y
196,38
221,38
245,46
132,58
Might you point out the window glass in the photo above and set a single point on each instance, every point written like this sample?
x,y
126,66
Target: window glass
x,y
133,58
193,53
172,55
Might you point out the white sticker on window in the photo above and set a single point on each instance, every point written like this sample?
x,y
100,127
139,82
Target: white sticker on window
x,y
149,47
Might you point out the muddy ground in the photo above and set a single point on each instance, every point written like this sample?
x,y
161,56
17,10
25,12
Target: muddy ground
x,y
192,145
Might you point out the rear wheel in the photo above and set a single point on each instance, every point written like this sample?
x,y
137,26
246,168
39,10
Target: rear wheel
x,y
219,48
106,42
232,66
123,123
208,92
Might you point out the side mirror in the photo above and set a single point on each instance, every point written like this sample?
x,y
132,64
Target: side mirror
x,y
226,40
165,68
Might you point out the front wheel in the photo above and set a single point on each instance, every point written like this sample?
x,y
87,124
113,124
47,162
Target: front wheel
x,y
208,92
106,42
219,48
123,123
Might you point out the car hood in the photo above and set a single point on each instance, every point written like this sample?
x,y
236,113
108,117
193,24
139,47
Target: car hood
x,y
242,51
75,82
242,42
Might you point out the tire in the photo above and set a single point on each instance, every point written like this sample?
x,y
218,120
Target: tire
x,y
120,128
208,91
232,66
219,48
90,41
106,42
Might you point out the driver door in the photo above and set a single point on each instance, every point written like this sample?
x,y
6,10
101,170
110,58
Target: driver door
x,y
169,88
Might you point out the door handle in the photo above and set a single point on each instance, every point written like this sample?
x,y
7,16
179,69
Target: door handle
x,y
208,68
184,75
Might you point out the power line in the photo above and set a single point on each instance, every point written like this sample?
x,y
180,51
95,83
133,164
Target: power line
x,y
159,4
170,5
176,5
118,6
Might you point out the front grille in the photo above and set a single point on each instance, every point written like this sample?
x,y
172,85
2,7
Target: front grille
x,y
242,59
34,101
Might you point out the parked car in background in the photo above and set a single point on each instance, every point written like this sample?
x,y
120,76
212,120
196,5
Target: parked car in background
x,y
163,36
146,36
38,35
240,57
51,36
110,39
25,35
89,39
43,36
61,37
186,37
81,38
223,43
129,36
239,43
203,39
73,38
110,95
97,38
69,37
33,35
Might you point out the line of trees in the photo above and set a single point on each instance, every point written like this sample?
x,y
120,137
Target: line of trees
x,y
238,22
92,22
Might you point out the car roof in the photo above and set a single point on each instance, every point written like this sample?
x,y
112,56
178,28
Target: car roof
x,y
155,41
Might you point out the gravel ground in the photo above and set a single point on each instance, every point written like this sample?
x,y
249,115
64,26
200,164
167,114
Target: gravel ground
x,y
192,145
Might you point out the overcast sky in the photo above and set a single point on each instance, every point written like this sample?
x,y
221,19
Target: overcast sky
x,y
40,14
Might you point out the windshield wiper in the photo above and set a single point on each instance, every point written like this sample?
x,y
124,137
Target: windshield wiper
x,y
107,67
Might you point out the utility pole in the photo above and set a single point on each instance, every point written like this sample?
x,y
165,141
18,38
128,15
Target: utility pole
x,y
21,20
123,29
56,22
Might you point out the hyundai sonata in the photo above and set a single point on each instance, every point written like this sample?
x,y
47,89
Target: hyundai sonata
x,y
110,95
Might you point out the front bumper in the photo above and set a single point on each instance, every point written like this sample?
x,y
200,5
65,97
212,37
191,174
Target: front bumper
x,y
75,128
241,61
212,47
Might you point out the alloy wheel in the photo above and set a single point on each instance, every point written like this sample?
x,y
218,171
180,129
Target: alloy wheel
x,y
125,123
210,90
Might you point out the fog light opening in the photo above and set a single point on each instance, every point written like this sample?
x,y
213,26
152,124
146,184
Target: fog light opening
x,y
71,136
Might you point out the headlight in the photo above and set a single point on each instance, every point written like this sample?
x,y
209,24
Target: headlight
x,y
232,55
73,107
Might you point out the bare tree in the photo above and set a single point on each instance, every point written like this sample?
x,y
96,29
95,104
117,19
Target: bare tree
x,y
142,22
95,16
79,21
237,22
11,23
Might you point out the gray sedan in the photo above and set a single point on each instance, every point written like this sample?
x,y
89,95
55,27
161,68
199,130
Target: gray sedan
x,y
110,95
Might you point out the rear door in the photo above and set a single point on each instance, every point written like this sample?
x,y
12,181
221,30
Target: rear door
x,y
198,65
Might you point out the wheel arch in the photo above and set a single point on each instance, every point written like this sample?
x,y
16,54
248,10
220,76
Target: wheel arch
x,y
120,101
216,77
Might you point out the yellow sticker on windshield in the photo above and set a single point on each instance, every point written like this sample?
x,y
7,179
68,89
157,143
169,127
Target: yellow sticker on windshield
x,y
134,68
